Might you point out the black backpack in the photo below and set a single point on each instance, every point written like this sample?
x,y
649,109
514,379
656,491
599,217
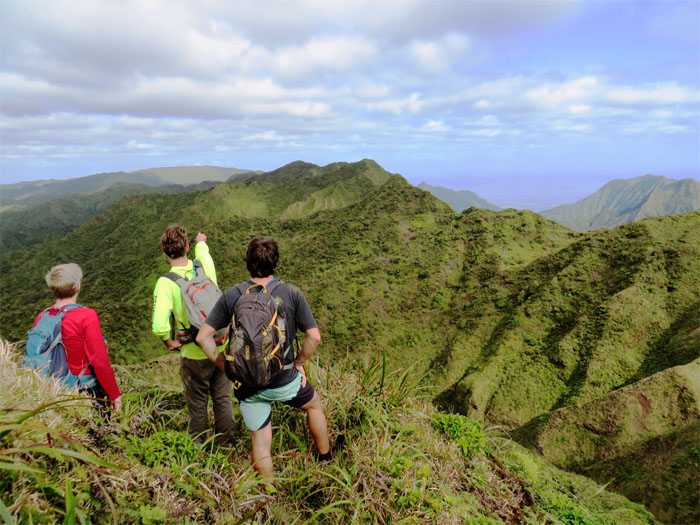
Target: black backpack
x,y
257,348
199,295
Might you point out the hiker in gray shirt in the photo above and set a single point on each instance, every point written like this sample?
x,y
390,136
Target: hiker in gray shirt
x,y
288,382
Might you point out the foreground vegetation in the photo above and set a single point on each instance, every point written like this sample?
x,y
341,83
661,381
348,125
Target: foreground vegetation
x,y
402,462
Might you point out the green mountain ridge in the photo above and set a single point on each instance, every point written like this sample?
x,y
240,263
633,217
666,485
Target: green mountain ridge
x,y
27,225
587,319
36,192
627,200
459,200
506,315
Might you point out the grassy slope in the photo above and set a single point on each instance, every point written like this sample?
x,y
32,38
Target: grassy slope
x,y
650,426
397,465
598,314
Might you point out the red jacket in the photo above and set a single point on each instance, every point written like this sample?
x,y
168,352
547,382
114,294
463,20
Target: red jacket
x,y
84,344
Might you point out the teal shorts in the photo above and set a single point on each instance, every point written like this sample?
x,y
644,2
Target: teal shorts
x,y
257,409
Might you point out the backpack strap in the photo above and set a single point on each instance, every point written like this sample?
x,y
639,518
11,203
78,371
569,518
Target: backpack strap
x,y
272,286
197,268
245,290
174,277
67,308
63,310
242,287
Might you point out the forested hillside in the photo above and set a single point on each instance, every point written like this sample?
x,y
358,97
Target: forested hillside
x,y
23,226
507,316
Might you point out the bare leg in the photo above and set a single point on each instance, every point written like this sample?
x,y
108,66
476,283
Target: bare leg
x,y
317,424
262,457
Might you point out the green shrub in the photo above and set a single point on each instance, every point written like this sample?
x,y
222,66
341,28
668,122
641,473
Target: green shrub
x,y
165,449
468,433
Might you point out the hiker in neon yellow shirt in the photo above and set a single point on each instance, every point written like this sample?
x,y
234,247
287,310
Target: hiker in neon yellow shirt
x,y
200,378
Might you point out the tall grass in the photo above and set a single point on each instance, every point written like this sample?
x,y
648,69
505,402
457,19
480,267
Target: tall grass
x,y
402,461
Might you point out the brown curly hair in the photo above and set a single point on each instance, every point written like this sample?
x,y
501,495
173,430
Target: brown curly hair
x,y
174,241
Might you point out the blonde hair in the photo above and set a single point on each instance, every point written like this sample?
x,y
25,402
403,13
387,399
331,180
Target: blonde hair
x,y
64,280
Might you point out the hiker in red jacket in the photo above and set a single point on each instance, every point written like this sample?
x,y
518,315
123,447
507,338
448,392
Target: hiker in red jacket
x,y
86,352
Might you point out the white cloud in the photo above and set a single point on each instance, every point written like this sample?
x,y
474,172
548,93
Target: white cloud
x,y
485,132
435,57
573,127
666,93
488,120
572,92
371,91
334,53
134,144
411,104
435,125
268,136
395,20
219,50
579,109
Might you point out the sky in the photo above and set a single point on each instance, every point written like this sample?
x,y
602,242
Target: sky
x,y
528,103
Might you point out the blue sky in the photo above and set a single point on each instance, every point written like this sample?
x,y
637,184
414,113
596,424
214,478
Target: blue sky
x,y
529,104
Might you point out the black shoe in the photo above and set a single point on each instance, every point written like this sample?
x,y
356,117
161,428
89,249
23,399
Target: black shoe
x,y
337,446
324,458
339,443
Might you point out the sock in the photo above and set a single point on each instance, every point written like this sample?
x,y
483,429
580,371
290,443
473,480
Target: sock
x,y
325,457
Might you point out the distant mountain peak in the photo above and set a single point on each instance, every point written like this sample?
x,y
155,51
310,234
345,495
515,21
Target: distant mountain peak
x,y
460,200
627,200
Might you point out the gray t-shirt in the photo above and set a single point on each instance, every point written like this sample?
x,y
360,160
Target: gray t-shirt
x,y
297,314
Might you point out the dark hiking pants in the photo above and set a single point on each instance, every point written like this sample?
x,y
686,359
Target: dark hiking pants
x,y
201,378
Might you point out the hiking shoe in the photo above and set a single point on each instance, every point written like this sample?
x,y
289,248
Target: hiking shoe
x,y
339,443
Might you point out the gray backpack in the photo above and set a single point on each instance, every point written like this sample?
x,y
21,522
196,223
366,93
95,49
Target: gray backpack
x,y
199,294
257,348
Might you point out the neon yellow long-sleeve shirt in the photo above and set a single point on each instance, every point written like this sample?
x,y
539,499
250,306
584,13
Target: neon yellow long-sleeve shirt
x,y
167,299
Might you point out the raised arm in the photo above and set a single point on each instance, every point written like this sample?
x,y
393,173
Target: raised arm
x,y
201,253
